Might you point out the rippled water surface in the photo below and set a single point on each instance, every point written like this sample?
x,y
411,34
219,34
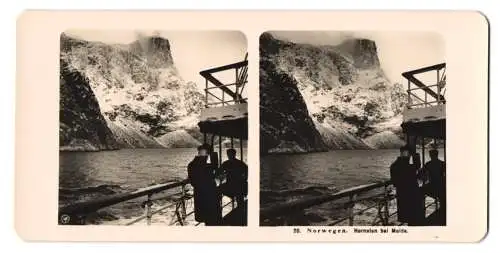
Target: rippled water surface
x,y
90,175
284,178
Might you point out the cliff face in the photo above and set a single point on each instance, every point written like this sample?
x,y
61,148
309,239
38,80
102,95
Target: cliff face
x,y
285,123
350,100
82,126
142,98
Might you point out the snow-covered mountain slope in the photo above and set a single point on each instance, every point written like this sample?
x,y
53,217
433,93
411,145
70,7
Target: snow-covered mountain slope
x,y
138,88
347,94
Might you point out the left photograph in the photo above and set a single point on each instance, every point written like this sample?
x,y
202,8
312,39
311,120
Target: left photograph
x,y
153,128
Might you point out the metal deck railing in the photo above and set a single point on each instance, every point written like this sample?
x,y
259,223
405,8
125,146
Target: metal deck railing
x,y
425,95
76,213
230,93
384,202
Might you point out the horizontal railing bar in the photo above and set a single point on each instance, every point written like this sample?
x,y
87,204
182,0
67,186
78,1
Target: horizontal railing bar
x,y
213,95
225,67
356,213
89,206
363,210
165,207
366,198
357,201
227,101
170,196
225,85
290,207
420,88
428,102
152,213
394,213
417,97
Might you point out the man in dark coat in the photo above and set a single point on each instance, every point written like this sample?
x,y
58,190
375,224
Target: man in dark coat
x,y
236,186
206,198
436,170
410,198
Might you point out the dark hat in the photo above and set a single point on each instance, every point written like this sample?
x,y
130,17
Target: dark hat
x,y
204,146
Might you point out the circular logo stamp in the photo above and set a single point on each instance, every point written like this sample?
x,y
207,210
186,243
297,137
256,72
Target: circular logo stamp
x,y
65,219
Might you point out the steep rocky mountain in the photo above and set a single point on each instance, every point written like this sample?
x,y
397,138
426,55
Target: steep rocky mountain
x,y
349,98
142,98
82,126
285,123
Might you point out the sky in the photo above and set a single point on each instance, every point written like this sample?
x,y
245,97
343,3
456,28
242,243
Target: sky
x,y
398,51
192,51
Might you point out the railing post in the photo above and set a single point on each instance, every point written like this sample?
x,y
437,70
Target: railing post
x,y
220,150
147,208
183,202
178,214
206,93
438,88
423,151
386,204
409,95
236,89
352,198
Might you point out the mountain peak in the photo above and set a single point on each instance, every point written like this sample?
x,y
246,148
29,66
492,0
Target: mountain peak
x,y
156,50
270,44
363,51
266,36
154,43
151,44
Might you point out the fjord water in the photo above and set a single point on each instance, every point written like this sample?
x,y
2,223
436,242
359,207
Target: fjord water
x,y
285,178
88,175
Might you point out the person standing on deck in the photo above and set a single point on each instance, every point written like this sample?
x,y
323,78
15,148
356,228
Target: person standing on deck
x,y
436,169
236,186
201,177
410,201
214,168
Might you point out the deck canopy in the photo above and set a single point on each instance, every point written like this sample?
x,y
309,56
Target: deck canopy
x,y
425,111
430,129
226,110
232,128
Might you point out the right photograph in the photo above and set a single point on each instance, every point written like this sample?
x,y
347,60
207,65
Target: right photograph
x,y
352,128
